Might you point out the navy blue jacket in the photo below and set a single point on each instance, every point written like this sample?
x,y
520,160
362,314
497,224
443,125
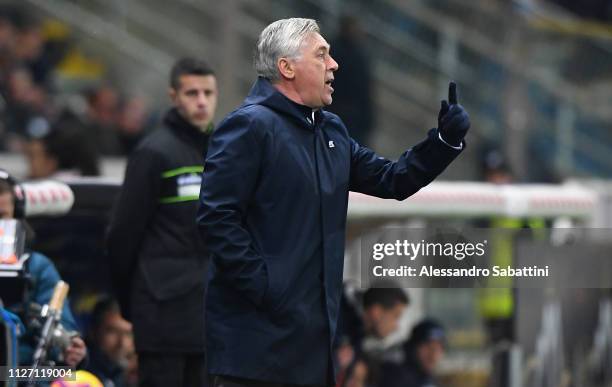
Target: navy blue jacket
x,y
273,206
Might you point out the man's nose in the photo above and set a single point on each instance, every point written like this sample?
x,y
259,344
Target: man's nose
x,y
202,99
333,65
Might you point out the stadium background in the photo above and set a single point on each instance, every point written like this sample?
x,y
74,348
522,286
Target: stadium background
x,y
534,75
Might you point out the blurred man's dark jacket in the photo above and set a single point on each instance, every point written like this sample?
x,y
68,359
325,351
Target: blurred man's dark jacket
x,y
157,256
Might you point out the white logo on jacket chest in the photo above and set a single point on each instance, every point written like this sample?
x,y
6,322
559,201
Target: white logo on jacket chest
x,y
331,144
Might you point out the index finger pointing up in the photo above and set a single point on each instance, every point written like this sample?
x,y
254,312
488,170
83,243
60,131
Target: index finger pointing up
x,y
452,93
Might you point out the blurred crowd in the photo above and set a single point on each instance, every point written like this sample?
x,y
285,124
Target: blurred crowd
x,y
56,107
368,352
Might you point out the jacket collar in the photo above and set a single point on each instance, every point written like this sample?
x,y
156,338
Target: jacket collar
x,y
264,93
184,129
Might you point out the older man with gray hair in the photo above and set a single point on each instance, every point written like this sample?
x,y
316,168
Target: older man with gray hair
x,y
273,208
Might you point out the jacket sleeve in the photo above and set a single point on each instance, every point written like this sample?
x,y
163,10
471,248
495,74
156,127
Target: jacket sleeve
x,y
228,184
133,210
417,167
45,276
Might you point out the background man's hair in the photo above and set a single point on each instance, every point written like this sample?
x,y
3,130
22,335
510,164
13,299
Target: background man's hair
x,y
105,306
425,331
188,66
387,297
72,149
283,38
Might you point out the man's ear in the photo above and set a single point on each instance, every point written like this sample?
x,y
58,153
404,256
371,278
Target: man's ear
x,y
172,94
285,68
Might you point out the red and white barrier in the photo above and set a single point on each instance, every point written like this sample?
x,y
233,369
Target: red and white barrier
x,y
461,199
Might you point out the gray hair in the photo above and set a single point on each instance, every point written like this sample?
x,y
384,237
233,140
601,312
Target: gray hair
x,y
283,38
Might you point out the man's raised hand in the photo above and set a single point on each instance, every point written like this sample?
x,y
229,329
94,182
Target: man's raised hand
x,y
453,120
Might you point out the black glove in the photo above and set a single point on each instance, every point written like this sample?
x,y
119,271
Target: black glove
x,y
453,120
